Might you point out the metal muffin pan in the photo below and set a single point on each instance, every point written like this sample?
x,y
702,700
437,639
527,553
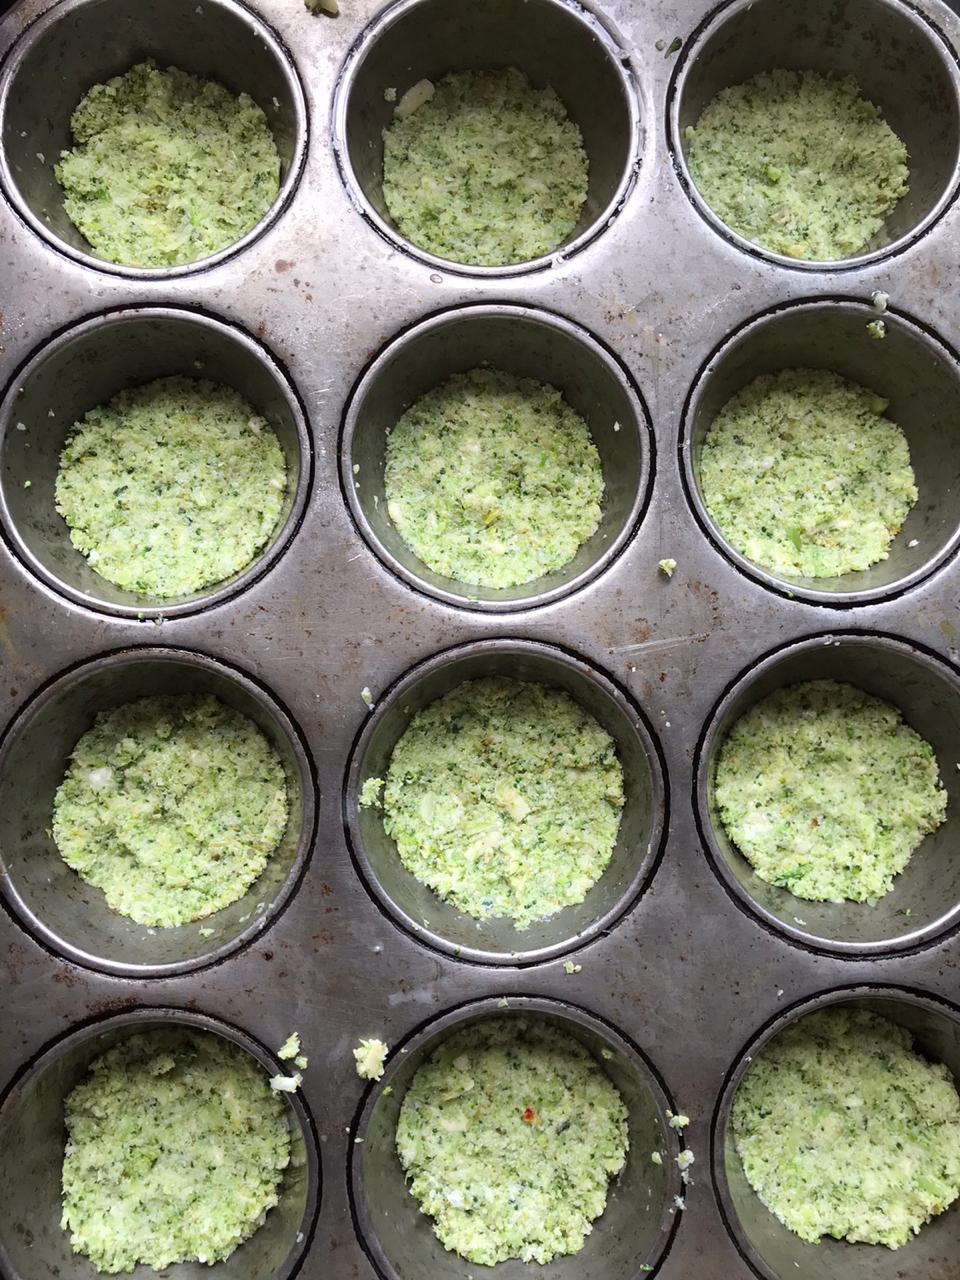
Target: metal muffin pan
x,y
689,971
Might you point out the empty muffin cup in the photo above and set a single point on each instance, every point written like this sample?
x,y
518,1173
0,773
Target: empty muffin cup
x,y
86,366
527,343
634,1231
79,43
72,917
555,43
437,923
911,368
900,60
772,1250
925,900
32,1242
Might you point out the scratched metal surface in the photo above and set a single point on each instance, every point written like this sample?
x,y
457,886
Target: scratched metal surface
x,y
686,974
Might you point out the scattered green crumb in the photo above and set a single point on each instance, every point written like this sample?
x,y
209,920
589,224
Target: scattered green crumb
x,y
798,162
845,1131
805,476
28,484
205,932
675,45
677,1122
685,1159
606,1053
371,792
390,94
570,967
504,797
388,1090
172,486
879,301
166,168
172,806
667,567
877,329
370,1056
301,1062
290,1047
486,169
826,792
367,697
175,1151
493,480
656,1157
509,1135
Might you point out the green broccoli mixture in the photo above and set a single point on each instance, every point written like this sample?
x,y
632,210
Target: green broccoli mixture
x,y
505,797
826,792
493,479
845,1131
172,487
176,1147
485,170
509,1135
805,476
172,806
166,168
798,162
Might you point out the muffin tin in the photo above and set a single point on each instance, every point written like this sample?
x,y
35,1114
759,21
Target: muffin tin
x,y
648,318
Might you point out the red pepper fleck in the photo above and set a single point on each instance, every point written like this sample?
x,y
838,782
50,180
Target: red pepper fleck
x,y
529,1115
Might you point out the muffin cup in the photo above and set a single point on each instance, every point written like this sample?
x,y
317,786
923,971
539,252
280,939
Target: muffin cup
x,y
84,367
527,343
630,1237
70,916
79,43
899,58
925,900
771,1249
554,42
437,923
32,1242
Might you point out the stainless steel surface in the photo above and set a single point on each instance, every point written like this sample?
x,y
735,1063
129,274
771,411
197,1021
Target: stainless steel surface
x,y
775,1251
530,344
686,973
439,924
640,1217
31,1123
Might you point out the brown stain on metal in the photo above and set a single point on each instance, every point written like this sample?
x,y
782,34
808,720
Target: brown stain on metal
x,y
324,937
948,629
67,978
282,264
710,597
